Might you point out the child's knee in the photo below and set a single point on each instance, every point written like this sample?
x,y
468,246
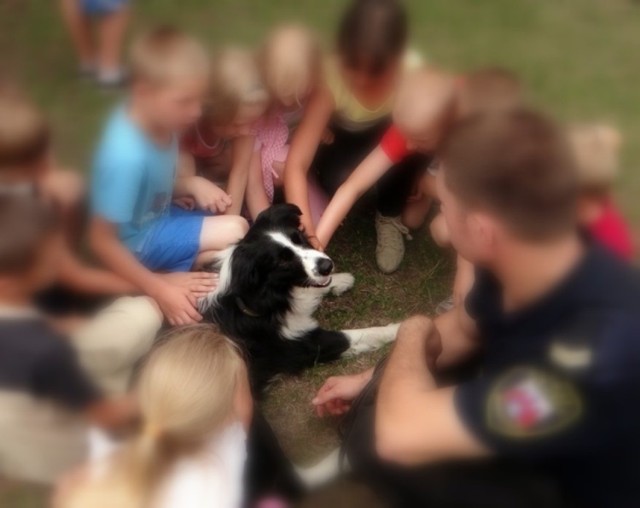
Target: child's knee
x,y
241,226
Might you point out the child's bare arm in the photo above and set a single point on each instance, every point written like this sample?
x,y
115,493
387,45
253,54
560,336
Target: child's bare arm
x,y
186,165
257,199
86,279
376,164
305,142
239,174
178,304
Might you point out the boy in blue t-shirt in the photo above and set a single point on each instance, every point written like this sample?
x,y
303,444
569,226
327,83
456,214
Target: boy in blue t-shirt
x,y
134,229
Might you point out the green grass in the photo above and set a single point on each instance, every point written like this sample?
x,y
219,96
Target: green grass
x,y
578,57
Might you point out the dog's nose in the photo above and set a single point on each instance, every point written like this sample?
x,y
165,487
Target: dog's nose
x,y
324,266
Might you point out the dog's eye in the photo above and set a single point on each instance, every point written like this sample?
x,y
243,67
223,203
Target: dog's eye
x,y
286,255
296,238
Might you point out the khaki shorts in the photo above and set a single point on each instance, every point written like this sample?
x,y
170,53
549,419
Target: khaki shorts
x,y
39,440
111,344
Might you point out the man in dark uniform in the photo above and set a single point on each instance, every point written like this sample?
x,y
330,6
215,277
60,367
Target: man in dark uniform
x,y
553,416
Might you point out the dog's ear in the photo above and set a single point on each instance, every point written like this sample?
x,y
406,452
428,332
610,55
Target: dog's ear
x,y
250,269
283,216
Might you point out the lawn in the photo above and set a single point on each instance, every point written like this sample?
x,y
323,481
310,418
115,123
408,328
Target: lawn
x,y
576,56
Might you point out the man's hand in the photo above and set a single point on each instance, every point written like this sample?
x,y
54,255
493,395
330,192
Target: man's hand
x,y
209,196
336,394
199,283
177,303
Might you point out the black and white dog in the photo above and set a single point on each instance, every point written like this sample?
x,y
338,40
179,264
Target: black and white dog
x,y
270,285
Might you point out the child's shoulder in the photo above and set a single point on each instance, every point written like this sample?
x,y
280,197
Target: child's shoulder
x,y
121,138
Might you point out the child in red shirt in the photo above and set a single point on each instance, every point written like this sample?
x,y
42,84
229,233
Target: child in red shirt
x,y
425,104
597,149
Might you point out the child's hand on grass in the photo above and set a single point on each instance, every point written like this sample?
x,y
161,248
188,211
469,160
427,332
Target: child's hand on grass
x,y
210,197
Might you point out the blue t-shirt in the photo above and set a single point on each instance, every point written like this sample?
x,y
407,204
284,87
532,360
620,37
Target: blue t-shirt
x,y
132,180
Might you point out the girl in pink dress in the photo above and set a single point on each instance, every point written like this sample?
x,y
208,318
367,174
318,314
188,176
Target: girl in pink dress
x,y
290,63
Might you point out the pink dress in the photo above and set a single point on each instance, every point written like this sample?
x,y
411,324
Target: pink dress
x,y
272,134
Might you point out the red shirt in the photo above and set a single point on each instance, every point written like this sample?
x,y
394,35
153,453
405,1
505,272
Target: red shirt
x,y
193,143
612,231
394,144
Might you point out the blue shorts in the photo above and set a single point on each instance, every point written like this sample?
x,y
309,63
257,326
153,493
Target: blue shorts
x,y
101,7
173,242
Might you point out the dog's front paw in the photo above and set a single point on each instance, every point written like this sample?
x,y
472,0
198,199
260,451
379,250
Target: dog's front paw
x,y
341,283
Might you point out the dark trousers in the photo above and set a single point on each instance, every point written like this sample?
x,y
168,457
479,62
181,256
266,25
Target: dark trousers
x,y
471,484
334,163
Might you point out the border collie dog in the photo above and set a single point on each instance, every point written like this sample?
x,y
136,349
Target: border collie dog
x,y
271,283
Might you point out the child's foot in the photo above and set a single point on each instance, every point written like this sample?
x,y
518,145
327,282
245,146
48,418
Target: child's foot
x,y
390,242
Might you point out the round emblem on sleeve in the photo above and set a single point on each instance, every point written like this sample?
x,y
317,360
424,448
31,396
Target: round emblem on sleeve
x,y
530,402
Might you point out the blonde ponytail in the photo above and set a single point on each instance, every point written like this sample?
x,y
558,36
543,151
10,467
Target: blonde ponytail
x,y
186,392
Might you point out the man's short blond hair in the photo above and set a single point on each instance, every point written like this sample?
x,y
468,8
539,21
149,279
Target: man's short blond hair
x,y
24,131
164,54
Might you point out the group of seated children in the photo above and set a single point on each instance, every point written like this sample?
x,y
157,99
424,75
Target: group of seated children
x,y
199,147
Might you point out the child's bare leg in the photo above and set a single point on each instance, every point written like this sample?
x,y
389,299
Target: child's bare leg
x,y
203,259
256,197
111,32
217,234
79,29
415,212
221,231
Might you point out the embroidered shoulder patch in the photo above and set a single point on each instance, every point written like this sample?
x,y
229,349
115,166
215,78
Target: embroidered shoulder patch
x,y
530,402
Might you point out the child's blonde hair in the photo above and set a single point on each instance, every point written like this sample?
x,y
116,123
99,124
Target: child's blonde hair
x,y
597,149
425,96
164,54
24,131
290,61
235,83
490,89
186,391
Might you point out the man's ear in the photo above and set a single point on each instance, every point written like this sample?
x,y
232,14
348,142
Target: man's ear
x,y
249,281
484,229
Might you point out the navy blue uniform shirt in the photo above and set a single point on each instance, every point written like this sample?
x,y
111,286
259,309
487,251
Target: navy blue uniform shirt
x,y
560,381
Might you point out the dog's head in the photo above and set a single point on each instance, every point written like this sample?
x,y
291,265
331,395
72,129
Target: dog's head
x,y
276,252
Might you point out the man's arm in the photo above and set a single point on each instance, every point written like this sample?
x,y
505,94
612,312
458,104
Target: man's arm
x,y
416,422
370,170
457,338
